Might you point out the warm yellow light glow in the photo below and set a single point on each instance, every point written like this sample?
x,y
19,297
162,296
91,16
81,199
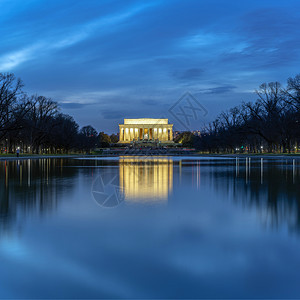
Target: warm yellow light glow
x,y
146,179
146,121
141,130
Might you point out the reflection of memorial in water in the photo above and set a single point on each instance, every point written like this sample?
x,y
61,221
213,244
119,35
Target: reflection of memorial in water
x,y
150,178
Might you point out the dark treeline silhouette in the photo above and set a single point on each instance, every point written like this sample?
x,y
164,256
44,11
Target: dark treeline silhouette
x,y
34,124
270,124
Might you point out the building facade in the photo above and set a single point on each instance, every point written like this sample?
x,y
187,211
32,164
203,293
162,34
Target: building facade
x,y
156,130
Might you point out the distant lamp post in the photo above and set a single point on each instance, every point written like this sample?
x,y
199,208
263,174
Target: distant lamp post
x,y
18,151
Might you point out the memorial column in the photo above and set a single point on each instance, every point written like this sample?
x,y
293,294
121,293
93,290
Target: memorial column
x,y
121,138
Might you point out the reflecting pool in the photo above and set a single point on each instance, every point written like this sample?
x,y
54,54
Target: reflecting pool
x,y
150,227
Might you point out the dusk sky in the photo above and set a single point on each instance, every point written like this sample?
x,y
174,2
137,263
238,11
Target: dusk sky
x,y
104,61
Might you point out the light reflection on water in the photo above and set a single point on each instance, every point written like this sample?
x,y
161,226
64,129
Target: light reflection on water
x,y
188,228
145,178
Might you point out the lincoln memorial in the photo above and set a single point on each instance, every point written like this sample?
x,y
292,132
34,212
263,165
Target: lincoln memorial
x,y
156,130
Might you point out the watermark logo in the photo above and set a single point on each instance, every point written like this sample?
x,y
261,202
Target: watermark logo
x,y
106,190
144,153
187,109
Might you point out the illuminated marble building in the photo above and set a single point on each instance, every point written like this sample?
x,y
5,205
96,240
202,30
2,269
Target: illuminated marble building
x,y
149,130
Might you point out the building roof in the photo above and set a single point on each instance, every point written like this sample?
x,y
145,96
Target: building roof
x,y
145,121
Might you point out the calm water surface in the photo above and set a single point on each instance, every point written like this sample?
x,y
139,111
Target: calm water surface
x,y
152,227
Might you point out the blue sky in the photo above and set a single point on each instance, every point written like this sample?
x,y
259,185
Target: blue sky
x,y
108,60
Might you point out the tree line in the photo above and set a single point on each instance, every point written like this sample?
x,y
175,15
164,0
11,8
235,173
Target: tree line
x,y
34,124
269,124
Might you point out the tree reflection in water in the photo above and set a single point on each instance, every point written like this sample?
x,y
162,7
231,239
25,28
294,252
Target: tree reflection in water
x,y
36,186
272,188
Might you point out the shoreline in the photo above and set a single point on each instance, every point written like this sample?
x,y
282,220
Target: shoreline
x,y
68,156
39,156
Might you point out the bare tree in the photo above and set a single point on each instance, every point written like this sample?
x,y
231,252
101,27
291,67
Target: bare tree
x,y
41,120
14,103
293,91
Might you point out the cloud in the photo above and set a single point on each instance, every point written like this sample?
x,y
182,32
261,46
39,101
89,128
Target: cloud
x,y
11,60
109,114
150,102
219,89
102,25
73,105
189,74
106,60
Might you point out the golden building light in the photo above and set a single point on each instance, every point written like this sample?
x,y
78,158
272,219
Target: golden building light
x,y
146,129
141,180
